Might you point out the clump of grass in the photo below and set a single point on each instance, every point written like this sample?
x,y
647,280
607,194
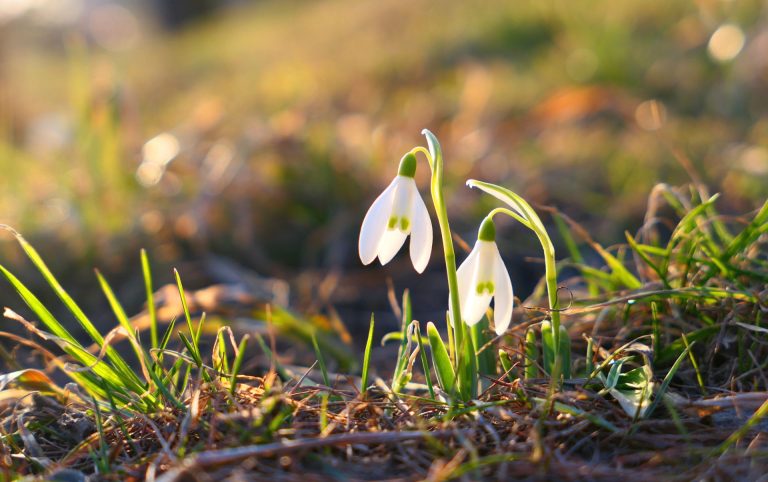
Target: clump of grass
x,y
674,321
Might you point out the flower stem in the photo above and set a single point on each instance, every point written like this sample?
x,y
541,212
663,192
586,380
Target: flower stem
x,y
524,213
463,367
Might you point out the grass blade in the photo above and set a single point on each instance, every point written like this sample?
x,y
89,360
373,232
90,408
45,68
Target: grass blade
x,y
321,362
72,346
238,363
424,362
147,273
119,363
402,352
367,358
667,380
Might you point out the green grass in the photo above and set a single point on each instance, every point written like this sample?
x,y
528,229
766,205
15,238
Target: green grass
x,y
166,404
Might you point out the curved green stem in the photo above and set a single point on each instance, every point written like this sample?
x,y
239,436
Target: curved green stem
x,y
511,214
435,158
524,213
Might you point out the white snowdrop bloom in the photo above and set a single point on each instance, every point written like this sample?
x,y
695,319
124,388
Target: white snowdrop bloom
x,y
482,277
396,213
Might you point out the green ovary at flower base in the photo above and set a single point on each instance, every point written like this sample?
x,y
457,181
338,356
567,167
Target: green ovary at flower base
x,y
398,212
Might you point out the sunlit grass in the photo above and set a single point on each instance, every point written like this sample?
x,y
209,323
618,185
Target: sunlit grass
x,y
694,323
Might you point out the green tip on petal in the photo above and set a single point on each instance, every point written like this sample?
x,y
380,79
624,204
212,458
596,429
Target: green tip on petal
x,y
487,230
407,165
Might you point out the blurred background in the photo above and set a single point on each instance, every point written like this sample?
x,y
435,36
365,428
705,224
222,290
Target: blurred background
x,y
242,142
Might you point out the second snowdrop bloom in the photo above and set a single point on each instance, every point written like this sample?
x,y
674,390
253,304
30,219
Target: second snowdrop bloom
x,y
482,277
398,212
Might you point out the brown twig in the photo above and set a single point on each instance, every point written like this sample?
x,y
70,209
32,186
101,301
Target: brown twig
x,y
227,456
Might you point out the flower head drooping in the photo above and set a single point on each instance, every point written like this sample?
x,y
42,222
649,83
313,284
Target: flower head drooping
x,y
396,213
483,276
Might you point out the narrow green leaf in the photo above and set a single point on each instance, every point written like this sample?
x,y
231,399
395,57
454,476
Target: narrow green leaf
x,y
424,362
480,337
321,362
188,343
467,370
223,365
183,298
367,358
613,374
165,339
70,345
506,364
639,249
667,380
531,355
699,377
756,417
119,363
122,318
548,346
147,273
238,362
402,352
440,360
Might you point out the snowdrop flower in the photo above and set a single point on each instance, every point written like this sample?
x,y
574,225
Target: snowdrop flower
x,y
483,276
396,213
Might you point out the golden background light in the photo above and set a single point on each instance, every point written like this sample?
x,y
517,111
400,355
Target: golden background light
x,y
726,43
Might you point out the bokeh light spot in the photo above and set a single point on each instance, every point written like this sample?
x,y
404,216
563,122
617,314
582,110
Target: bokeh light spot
x,y
651,115
156,154
726,43
149,174
186,226
754,160
152,221
161,149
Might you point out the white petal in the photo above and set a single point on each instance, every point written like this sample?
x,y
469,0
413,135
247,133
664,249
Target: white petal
x,y
477,303
503,298
375,224
475,308
465,274
403,201
390,244
421,234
